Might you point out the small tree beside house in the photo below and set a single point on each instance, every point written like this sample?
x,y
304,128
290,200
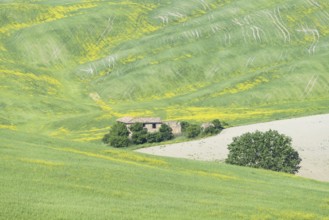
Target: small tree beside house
x,y
215,127
118,136
139,133
154,137
193,131
166,132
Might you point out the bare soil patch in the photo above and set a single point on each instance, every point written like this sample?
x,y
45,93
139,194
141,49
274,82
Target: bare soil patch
x,y
310,137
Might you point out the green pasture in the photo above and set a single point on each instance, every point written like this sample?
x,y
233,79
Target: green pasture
x,y
45,178
69,69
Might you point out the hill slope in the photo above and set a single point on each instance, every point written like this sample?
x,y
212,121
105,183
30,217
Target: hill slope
x,y
70,68
43,178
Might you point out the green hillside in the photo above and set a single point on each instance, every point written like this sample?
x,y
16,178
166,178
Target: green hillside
x,y
68,69
43,178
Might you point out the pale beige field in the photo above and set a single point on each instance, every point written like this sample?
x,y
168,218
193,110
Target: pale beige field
x,y
310,137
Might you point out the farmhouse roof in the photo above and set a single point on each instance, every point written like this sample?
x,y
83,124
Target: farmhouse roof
x,y
125,119
130,120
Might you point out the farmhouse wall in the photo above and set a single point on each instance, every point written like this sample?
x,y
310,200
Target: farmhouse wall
x,y
151,128
175,126
152,124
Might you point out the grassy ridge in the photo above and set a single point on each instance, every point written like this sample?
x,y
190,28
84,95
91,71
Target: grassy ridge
x,y
63,62
48,178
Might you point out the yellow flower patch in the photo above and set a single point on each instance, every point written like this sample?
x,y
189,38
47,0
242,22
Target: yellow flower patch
x,y
101,156
8,127
202,114
42,162
30,76
135,157
136,26
244,86
60,132
52,13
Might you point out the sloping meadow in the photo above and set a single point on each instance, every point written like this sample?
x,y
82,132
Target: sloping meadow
x,y
68,69
48,178
69,61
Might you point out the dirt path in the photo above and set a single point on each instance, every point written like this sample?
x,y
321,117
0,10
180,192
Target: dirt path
x,y
310,138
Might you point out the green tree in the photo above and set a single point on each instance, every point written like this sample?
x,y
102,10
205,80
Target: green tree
x,y
215,128
217,125
118,136
193,131
137,127
267,150
166,132
184,125
210,130
154,137
119,129
119,141
139,137
139,133
106,139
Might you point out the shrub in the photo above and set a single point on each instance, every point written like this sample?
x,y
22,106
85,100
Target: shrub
x,y
210,130
154,137
193,131
118,136
139,133
166,132
215,129
267,150
119,141
119,129
106,139
217,124
139,137
137,127
184,125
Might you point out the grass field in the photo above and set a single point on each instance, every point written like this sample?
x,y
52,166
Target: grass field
x,y
68,69
43,178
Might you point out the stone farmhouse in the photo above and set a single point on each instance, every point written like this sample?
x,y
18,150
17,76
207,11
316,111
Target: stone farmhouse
x,y
152,124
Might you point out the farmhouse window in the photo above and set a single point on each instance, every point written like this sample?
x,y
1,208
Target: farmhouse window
x,y
154,126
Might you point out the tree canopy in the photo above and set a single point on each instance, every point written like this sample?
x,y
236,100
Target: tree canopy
x,y
118,136
267,150
119,129
139,133
193,131
166,132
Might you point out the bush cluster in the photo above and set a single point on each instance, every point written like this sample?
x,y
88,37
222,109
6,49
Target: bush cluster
x,y
119,135
193,130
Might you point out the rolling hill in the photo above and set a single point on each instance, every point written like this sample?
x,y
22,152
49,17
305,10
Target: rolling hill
x,y
68,69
